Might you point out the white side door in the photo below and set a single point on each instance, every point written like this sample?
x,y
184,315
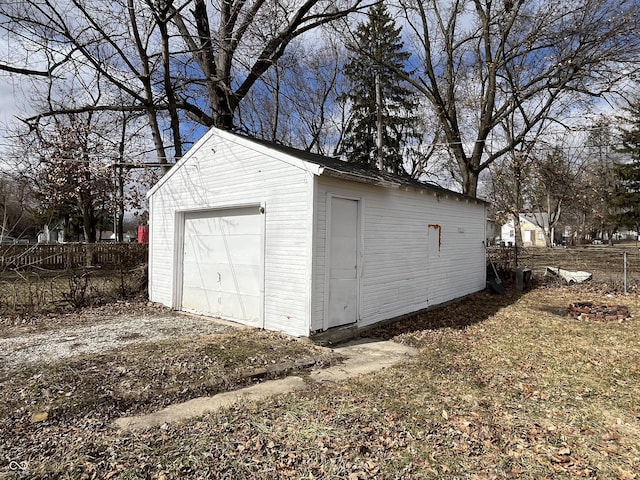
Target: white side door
x,y
343,281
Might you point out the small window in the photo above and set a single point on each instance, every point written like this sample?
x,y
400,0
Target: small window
x,y
512,233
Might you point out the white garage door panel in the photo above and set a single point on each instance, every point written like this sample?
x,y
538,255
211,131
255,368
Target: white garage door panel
x,y
197,299
223,277
223,304
240,249
222,264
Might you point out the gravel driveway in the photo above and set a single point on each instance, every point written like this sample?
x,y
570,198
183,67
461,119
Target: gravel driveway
x,y
107,333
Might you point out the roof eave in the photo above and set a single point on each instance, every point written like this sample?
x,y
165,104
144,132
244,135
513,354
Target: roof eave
x,y
354,177
382,182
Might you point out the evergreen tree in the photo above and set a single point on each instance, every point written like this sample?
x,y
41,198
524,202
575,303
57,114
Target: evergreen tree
x,y
377,57
626,196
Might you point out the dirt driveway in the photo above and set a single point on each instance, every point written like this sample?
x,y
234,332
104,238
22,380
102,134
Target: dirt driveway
x,y
97,331
65,378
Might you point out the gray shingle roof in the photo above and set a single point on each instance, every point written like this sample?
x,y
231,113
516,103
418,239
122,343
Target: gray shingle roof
x,y
338,168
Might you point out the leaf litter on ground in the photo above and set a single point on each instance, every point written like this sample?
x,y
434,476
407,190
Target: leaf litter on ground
x,y
503,387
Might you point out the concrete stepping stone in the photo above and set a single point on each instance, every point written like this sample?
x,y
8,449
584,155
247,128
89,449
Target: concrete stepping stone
x,y
361,357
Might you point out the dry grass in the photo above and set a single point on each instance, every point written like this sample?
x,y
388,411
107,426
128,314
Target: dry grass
x,y
604,262
504,387
38,291
48,411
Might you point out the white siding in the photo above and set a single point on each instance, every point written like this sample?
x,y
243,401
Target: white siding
x,y
222,172
419,250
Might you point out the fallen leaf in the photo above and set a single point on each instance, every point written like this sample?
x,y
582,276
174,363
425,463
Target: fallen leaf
x,y
560,459
373,468
39,417
625,474
113,473
610,436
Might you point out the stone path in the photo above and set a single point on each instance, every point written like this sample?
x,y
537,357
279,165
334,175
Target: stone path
x,y
361,357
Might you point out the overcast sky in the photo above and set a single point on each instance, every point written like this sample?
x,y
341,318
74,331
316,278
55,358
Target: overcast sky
x,y
7,103
7,97
12,87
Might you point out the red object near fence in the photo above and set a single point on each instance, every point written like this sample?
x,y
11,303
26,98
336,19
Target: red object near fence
x,y
143,234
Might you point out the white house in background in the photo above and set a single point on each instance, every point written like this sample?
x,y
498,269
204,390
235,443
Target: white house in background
x,y
53,233
282,239
110,236
530,228
493,230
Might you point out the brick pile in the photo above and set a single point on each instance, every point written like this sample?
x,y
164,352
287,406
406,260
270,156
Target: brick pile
x,y
602,313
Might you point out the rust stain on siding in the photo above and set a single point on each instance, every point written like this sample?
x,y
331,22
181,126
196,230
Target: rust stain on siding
x,y
437,227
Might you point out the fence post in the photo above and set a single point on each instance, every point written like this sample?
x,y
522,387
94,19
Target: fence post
x,y
625,271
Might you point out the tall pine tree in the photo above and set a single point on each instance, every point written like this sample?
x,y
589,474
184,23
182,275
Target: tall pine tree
x,y
626,195
378,96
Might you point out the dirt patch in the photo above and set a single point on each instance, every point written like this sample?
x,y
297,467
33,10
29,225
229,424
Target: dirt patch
x,y
113,332
61,388
16,325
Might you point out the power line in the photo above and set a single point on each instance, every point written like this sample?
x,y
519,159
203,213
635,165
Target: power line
x,y
159,163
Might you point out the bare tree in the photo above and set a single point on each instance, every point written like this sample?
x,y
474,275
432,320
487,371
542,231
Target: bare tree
x,y
510,179
131,176
297,102
109,49
555,181
81,169
508,188
315,99
174,60
481,61
17,206
69,177
593,214
250,37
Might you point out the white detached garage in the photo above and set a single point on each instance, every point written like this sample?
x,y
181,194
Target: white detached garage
x,y
282,239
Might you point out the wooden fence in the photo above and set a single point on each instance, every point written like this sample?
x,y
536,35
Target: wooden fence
x,y
72,255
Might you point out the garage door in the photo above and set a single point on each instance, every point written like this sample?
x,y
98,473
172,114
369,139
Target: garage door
x,y
222,264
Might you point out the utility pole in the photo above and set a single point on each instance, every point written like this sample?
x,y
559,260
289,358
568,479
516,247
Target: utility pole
x,y
380,160
119,178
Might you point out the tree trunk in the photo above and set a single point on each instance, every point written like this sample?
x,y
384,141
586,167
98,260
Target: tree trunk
x,y
517,238
470,182
168,88
379,158
145,78
120,207
223,111
548,240
88,223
